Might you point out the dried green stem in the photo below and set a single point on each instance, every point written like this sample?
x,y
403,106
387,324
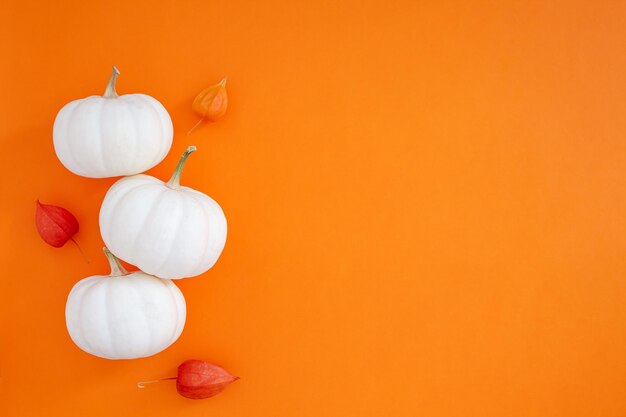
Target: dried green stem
x,y
174,182
110,90
117,270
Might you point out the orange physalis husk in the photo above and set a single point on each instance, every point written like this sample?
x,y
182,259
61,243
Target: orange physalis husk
x,y
211,103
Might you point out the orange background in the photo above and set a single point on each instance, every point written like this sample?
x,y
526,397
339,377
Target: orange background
x,y
426,205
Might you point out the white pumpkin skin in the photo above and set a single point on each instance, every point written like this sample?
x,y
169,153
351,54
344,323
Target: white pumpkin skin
x,y
111,135
170,232
125,317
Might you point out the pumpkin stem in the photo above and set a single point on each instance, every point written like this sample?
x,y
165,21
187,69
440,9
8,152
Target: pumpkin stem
x,y
143,384
110,91
117,270
174,182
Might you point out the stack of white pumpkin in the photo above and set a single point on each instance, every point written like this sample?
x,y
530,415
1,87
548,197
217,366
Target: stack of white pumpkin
x,y
167,230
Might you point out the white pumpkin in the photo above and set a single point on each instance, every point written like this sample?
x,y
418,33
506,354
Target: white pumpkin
x,y
111,135
124,315
165,229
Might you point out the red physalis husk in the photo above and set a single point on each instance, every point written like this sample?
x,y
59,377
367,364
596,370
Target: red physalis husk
x,y
55,224
198,379
211,103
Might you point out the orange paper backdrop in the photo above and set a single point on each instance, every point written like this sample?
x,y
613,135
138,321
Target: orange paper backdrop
x,y
426,205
